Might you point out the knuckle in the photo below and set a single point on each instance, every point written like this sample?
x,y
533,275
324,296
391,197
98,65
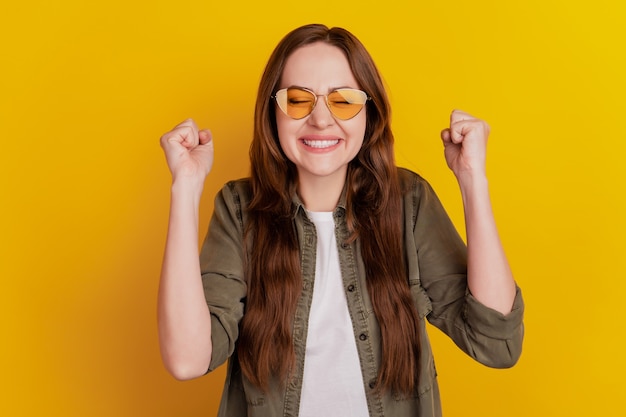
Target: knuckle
x,y
164,138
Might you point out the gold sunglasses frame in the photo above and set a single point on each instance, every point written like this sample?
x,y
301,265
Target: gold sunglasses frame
x,y
285,90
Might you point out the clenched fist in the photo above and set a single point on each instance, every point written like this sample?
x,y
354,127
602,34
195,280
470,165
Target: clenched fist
x,y
465,144
188,150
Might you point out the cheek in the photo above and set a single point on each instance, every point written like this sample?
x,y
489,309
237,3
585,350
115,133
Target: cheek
x,y
358,134
284,125
358,127
285,130
282,129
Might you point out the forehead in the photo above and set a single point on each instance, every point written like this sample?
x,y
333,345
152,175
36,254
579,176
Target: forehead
x,y
318,66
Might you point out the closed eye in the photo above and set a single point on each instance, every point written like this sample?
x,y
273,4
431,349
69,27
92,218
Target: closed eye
x,y
295,101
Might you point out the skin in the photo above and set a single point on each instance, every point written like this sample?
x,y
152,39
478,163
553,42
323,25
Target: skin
x,y
183,317
321,170
489,275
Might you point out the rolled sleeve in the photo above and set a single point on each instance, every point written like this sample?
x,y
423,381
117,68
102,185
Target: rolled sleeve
x,y
492,323
495,338
490,337
221,263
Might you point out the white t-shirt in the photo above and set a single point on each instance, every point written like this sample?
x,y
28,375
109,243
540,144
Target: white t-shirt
x,y
332,383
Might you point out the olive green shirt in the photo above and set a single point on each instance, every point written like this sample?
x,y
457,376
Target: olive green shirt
x,y
437,276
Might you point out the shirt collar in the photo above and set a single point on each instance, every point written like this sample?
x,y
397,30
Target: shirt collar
x,y
298,205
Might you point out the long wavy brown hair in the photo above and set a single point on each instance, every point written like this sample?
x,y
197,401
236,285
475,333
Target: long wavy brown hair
x,y
373,213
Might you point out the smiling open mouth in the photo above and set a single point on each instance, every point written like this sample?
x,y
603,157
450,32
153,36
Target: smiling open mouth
x,y
320,144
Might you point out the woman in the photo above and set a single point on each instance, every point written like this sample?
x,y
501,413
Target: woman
x,y
319,270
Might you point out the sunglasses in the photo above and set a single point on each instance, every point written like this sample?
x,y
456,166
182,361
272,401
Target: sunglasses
x,y
343,103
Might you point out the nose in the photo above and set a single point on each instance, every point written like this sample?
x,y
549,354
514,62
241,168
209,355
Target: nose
x,y
321,116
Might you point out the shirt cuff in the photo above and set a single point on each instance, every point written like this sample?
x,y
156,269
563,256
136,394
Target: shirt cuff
x,y
492,323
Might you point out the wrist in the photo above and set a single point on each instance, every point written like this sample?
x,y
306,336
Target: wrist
x,y
187,188
470,182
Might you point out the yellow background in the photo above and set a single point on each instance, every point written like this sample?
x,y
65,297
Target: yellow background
x,y
87,88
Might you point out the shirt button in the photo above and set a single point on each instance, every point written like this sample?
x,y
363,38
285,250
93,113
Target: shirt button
x,y
344,245
351,288
340,213
363,336
372,384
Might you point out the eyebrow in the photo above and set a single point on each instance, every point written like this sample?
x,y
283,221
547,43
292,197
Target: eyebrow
x,y
329,90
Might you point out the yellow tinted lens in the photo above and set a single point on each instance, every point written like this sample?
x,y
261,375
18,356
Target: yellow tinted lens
x,y
346,103
295,103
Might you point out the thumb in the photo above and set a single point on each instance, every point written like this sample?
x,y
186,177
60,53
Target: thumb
x,y
205,136
446,136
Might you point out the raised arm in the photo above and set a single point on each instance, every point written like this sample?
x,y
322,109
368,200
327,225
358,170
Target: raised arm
x,y
184,322
489,276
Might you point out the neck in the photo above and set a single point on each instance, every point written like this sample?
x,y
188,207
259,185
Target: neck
x,y
321,193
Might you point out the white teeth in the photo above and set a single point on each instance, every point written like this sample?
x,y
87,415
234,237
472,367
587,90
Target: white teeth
x,y
321,143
